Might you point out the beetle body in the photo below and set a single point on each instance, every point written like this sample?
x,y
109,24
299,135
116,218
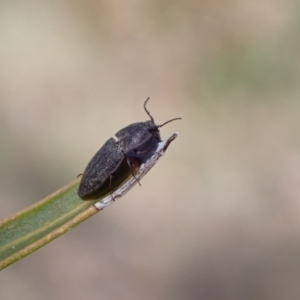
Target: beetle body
x,y
118,160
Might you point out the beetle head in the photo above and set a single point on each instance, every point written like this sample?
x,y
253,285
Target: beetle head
x,y
141,136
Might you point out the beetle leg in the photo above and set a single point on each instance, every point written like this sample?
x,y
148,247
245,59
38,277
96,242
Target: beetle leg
x,y
131,169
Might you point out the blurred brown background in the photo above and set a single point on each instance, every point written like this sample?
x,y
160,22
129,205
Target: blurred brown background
x,y
219,216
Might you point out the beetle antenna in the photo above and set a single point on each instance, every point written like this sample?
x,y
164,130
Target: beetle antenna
x,y
168,122
147,111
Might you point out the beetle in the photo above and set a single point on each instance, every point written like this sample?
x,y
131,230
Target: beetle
x,y
118,160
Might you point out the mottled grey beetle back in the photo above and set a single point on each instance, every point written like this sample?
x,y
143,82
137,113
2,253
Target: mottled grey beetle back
x,y
117,160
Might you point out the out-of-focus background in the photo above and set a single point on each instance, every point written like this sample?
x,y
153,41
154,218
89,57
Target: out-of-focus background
x,y
219,216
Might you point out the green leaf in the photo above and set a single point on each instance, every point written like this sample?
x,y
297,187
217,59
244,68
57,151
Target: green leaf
x,y
39,224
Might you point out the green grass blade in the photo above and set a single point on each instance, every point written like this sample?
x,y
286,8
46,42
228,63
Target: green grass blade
x,y
37,225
